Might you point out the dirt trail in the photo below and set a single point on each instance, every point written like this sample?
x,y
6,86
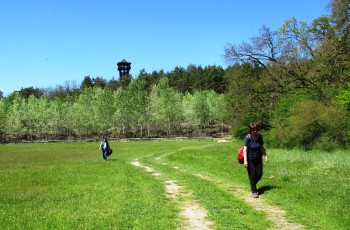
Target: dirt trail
x,y
274,214
196,215
192,212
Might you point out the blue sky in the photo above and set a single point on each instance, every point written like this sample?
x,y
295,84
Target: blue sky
x,y
45,43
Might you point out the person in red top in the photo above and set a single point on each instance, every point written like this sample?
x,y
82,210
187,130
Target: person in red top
x,y
253,151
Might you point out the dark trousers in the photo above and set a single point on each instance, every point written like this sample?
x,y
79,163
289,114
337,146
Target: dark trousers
x,y
255,172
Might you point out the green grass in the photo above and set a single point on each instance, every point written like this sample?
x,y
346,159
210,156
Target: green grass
x,y
69,186
313,187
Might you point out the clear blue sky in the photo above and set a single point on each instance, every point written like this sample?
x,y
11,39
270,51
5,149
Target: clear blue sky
x,y
45,43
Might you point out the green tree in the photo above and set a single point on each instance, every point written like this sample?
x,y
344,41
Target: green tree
x,y
217,108
214,78
100,82
190,117
57,117
180,79
26,92
15,126
84,122
102,110
312,126
344,96
165,106
245,103
201,109
43,116
3,112
88,82
30,116
138,100
121,109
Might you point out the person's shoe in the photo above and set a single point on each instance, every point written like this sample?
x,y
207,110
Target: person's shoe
x,y
255,195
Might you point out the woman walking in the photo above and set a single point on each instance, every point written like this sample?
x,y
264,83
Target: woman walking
x,y
253,152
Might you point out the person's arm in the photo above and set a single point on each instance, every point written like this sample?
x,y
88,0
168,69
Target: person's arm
x,y
245,153
263,150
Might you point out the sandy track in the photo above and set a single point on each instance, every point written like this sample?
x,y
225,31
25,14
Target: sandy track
x,y
195,215
192,212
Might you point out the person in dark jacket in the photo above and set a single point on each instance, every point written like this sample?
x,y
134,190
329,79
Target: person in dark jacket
x,y
253,152
104,146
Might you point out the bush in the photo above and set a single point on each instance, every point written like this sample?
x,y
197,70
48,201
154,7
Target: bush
x,y
313,125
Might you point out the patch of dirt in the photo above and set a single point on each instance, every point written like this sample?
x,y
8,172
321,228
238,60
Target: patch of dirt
x,y
138,164
196,218
171,189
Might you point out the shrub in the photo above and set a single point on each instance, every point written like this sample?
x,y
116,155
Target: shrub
x,y
313,125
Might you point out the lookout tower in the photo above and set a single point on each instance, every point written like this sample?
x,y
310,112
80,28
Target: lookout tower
x,y
123,68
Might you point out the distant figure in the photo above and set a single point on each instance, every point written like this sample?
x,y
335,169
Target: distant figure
x,y
104,147
253,152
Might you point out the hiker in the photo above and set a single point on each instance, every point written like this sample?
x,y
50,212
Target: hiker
x,y
104,147
253,152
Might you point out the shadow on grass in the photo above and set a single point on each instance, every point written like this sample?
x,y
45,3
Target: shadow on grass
x,y
111,159
265,188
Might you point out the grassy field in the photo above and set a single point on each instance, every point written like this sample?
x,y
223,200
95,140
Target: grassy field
x,y
69,186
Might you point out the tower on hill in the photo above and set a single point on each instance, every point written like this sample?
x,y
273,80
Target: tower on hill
x,y
123,68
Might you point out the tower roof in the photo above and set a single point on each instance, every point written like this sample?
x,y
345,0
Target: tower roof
x,y
123,62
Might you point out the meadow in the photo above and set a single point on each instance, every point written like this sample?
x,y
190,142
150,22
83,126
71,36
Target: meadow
x,y
69,186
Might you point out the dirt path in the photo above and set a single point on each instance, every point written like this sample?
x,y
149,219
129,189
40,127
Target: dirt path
x,y
193,214
274,214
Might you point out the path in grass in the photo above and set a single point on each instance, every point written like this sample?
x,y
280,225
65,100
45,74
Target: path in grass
x,y
274,214
196,215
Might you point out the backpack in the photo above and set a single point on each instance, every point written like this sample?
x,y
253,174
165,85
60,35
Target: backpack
x,y
240,156
109,151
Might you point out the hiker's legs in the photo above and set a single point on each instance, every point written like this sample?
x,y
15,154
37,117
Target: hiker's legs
x,y
254,174
251,176
259,171
104,154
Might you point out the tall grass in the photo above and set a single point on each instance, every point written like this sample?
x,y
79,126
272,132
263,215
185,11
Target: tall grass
x,y
69,186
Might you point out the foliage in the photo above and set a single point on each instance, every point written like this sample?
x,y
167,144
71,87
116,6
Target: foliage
x,y
344,96
165,106
311,125
297,59
96,112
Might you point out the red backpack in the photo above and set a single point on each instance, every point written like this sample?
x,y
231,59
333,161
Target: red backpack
x,y
240,156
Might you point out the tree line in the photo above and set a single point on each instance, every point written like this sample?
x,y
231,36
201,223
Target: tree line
x,y
131,112
184,80
293,81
